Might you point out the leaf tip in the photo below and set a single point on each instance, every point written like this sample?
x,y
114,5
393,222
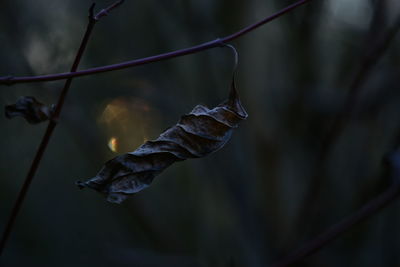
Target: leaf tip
x,y
80,184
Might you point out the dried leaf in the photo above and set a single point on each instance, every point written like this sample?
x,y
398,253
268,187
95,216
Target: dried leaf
x,y
197,134
29,108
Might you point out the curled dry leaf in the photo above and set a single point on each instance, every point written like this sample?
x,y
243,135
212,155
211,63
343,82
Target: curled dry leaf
x,y
197,134
29,108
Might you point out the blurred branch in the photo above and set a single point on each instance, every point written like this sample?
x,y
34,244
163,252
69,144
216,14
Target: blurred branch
x,y
50,128
361,215
9,80
368,62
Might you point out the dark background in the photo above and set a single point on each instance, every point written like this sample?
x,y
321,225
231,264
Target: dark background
x,y
241,206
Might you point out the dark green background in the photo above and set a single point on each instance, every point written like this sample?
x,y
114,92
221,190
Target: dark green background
x,y
237,207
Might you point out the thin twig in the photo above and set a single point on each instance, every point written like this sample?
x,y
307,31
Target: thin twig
x,y
104,12
361,215
47,135
9,80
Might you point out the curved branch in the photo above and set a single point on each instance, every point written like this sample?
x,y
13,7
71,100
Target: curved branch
x,y
9,80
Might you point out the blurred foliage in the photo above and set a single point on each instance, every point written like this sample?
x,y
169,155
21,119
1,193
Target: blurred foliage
x,y
237,207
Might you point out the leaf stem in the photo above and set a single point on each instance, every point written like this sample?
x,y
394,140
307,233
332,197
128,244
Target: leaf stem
x,y
48,133
9,80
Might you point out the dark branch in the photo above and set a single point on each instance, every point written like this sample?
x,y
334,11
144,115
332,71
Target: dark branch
x,y
361,215
104,12
47,135
342,118
191,50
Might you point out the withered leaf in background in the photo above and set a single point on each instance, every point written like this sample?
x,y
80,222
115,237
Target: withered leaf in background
x,y
32,110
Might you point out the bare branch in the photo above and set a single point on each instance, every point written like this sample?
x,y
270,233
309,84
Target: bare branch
x,y
128,64
47,135
368,62
361,215
104,12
